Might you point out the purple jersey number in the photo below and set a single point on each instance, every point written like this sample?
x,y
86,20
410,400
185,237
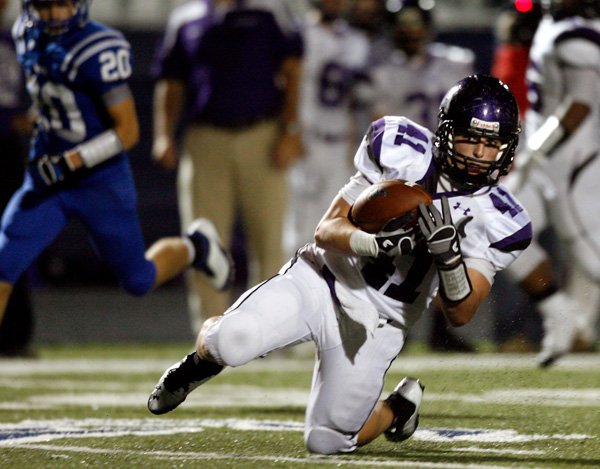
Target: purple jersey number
x,y
334,84
377,273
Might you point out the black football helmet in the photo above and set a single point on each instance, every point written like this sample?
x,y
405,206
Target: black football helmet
x,y
560,9
477,106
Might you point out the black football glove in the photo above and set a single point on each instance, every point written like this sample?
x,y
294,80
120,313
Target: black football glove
x,y
53,169
444,245
394,243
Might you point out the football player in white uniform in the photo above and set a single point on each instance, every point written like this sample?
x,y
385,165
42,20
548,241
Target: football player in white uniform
x,y
415,78
333,56
355,299
559,168
412,83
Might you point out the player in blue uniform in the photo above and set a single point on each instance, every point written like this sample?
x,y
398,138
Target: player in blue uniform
x,y
77,72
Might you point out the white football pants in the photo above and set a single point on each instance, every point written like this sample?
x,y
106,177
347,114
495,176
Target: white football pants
x,y
296,306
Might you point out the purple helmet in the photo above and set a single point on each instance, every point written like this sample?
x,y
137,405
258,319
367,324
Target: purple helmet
x,y
478,106
78,20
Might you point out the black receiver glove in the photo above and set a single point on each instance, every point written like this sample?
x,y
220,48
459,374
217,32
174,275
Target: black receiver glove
x,y
394,243
53,169
444,245
398,236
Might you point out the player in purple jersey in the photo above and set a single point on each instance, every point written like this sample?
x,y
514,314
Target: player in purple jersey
x,y
356,300
77,72
230,71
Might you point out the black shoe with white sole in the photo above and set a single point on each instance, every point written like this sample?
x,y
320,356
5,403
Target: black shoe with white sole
x,y
405,402
211,258
178,381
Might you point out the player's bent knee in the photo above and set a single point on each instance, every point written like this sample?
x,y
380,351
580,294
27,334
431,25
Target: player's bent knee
x,y
324,440
233,343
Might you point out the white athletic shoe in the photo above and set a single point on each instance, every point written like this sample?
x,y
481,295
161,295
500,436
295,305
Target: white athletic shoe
x,y
211,258
559,324
405,402
180,380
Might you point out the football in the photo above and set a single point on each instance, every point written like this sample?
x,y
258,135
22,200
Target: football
x,y
387,200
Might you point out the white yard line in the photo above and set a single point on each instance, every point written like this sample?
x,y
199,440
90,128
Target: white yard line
x,y
43,431
406,364
106,394
202,456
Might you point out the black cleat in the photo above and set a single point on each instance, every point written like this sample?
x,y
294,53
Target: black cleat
x,y
178,381
211,257
405,402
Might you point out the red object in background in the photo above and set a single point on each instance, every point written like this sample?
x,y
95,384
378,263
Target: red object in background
x,y
523,6
509,65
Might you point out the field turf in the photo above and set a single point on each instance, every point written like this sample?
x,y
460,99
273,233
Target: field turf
x,y
85,406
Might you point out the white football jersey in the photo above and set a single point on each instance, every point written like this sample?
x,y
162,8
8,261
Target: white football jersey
x,y
333,56
558,47
415,88
494,227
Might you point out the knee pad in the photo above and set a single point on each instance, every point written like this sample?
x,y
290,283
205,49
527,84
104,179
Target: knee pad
x,y
233,343
323,440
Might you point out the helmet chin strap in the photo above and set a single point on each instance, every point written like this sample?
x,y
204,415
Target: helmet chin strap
x,y
494,176
445,184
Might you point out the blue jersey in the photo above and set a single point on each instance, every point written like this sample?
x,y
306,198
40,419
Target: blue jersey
x,y
71,79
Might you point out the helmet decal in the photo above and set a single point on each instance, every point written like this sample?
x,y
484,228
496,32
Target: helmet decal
x,y
479,124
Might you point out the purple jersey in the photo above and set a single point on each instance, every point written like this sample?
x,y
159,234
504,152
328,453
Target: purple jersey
x,y
229,58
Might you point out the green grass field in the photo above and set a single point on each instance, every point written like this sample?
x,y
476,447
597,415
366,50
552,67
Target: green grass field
x,y
86,407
